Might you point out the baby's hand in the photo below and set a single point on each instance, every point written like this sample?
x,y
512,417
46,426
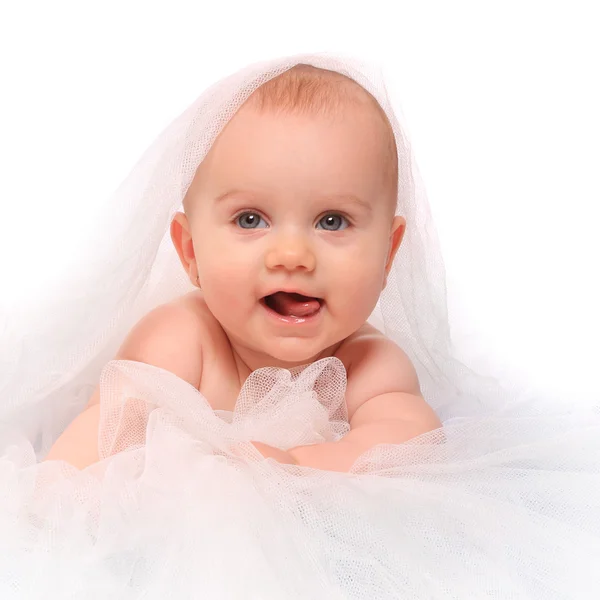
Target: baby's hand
x,y
280,456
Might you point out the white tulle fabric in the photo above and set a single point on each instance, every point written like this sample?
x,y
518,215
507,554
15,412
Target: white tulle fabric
x,y
505,503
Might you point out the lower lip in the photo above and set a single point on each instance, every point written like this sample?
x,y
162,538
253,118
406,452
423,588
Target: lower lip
x,y
297,321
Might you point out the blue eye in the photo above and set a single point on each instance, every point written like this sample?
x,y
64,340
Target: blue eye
x,y
332,222
248,220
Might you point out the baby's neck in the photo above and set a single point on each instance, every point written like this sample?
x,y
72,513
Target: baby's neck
x,y
248,360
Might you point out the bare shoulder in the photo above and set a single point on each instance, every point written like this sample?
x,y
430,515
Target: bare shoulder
x,y
352,348
375,365
171,337
194,305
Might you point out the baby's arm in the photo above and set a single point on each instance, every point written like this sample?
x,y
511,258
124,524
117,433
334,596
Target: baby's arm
x,y
168,337
385,406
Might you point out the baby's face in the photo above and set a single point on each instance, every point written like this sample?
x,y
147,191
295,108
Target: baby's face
x,y
294,203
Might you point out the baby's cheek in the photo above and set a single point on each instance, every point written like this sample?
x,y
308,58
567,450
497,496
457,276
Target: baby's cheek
x,y
230,279
362,269
219,261
357,288
227,294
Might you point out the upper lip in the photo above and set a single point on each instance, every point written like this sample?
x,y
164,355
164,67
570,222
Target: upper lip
x,y
290,290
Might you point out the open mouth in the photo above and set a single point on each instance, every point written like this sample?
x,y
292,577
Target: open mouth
x,y
292,305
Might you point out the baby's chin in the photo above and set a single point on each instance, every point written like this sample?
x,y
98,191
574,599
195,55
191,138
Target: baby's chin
x,y
260,348
287,353
289,358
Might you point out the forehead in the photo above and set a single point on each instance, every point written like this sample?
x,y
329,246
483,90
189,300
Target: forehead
x,y
306,147
338,137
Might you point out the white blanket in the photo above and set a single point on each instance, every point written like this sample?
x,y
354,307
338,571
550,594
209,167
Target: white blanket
x,y
182,506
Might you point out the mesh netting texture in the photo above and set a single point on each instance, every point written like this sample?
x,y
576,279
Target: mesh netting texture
x,y
502,503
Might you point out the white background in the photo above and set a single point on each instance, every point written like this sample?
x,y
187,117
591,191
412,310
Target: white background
x,y
501,100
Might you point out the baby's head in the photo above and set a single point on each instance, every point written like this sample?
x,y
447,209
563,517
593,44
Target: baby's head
x,y
297,193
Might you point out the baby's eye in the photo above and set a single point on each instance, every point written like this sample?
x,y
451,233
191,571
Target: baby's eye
x,y
332,222
248,220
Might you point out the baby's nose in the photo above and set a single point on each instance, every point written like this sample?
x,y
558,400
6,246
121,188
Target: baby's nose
x,y
290,252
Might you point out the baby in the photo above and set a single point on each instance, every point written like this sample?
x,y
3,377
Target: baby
x,y
288,233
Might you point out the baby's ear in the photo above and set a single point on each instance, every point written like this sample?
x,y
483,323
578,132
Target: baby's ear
x,y
181,236
396,235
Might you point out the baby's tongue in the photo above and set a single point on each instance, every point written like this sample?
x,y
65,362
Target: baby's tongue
x,y
294,305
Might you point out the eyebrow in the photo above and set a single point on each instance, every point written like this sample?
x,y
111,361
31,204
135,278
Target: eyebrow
x,y
351,198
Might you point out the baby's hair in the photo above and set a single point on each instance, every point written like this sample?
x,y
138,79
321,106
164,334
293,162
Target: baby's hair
x,y
305,89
